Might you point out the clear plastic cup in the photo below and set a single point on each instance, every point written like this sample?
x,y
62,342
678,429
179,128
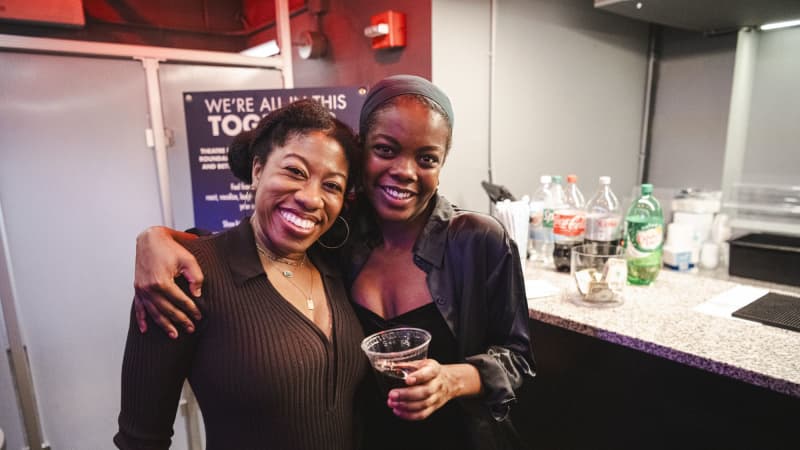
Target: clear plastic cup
x,y
600,274
390,353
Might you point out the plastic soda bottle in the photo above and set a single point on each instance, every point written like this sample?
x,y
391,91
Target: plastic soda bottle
x,y
644,237
569,225
558,201
574,195
603,217
540,236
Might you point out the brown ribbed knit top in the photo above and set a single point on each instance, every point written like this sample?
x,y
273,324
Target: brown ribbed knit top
x,y
264,375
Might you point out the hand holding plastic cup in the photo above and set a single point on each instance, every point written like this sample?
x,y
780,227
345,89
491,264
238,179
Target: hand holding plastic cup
x,y
390,353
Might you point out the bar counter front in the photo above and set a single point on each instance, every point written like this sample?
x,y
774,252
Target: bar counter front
x,y
654,372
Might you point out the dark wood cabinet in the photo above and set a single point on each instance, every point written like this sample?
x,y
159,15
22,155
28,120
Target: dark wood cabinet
x,y
592,394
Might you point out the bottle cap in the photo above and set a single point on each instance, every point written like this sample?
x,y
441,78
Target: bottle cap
x,y
557,178
572,178
647,189
545,179
605,180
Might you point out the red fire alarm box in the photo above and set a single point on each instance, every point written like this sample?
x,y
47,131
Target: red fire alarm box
x,y
393,23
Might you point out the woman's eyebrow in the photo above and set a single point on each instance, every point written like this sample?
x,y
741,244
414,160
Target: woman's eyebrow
x,y
305,162
396,143
388,137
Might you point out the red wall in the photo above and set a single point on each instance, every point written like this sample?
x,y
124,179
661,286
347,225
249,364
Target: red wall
x,y
350,59
218,25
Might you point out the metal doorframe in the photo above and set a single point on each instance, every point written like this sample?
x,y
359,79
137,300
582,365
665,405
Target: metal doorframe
x,y
18,356
126,51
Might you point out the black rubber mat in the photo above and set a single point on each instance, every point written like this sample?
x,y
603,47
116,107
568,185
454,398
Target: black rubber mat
x,y
773,309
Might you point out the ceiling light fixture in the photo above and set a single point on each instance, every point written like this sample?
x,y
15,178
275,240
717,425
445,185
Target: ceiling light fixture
x,y
263,50
777,25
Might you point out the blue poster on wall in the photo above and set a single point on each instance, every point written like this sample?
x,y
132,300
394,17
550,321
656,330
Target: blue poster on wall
x,y
214,118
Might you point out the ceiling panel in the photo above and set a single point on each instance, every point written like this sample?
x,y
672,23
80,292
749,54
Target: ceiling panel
x,y
705,15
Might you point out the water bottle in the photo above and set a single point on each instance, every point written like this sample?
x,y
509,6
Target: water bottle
x,y
603,217
644,237
569,225
541,237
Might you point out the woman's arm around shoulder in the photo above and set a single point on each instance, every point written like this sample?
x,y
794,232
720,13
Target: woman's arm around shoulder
x,y
160,258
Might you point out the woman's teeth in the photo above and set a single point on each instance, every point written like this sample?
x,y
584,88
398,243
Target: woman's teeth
x,y
397,194
296,220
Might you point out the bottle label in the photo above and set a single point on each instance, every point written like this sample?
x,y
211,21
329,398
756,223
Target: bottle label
x,y
547,217
536,219
644,238
569,223
603,227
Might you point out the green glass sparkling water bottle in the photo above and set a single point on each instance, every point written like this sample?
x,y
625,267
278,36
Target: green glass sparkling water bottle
x,y
644,236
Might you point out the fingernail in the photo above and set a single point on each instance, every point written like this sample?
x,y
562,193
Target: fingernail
x,y
173,334
141,328
198,316
197,293
190,329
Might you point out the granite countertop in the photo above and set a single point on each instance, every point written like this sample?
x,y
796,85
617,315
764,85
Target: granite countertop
x,y
659,319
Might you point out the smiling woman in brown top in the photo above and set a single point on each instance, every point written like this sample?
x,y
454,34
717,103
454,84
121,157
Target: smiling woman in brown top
x,y
275,361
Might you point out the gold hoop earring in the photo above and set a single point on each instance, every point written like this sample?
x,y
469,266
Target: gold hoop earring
x,y
344,241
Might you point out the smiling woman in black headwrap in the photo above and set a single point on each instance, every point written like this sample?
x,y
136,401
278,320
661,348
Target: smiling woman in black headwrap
x,y
424,263
416,260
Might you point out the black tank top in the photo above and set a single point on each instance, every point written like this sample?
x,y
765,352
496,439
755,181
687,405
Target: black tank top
x,y
442,430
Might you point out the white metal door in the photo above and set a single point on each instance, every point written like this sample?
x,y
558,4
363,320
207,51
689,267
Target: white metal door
x,y
77,183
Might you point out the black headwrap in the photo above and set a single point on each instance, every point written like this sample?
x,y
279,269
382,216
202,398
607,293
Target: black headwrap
x,y
395,85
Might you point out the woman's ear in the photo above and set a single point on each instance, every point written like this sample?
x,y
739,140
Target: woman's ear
x,y
256,173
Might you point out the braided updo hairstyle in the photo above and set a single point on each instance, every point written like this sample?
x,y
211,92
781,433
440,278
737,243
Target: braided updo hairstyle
x,y
276,128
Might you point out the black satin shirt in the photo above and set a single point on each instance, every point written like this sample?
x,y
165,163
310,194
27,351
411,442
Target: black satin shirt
x,y
475,278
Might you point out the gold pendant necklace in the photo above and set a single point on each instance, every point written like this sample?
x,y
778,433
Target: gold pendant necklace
x,y
310,296
289,274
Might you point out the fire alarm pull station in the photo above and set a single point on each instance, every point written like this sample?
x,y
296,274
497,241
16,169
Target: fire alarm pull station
x,y
387,30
